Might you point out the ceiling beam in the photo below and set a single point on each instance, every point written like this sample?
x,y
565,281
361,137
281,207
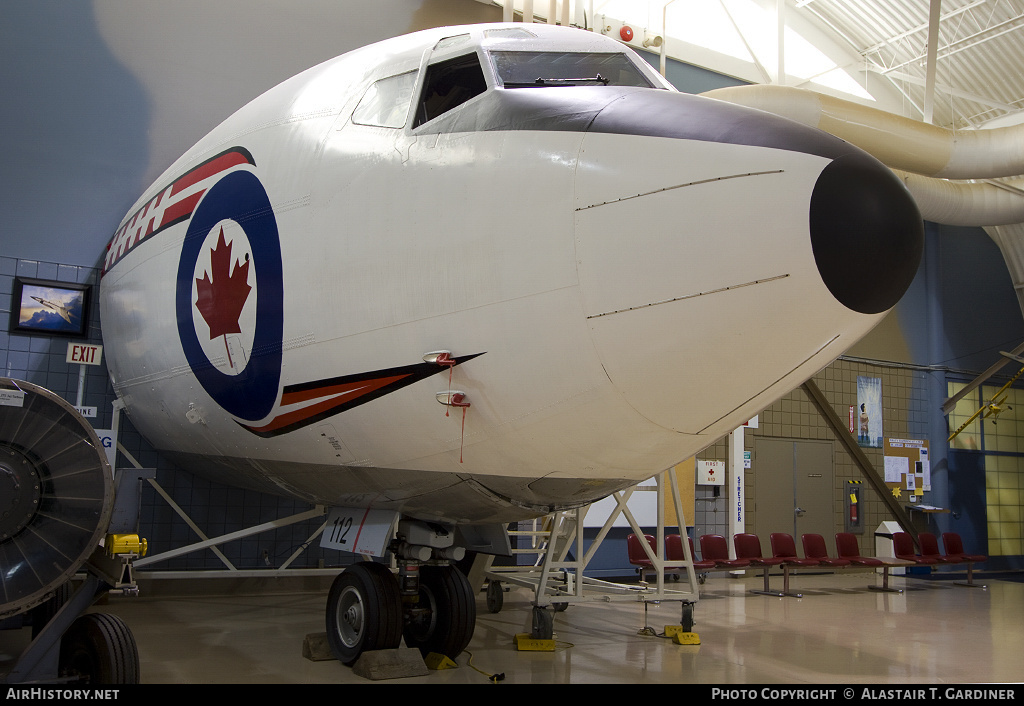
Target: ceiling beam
x,y
934,14
1010,25
942,88
920,28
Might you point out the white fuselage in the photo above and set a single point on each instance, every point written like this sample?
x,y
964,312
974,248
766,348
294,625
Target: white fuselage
x,y
615,302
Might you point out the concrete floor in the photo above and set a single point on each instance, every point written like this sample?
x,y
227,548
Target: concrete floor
x,y
933,632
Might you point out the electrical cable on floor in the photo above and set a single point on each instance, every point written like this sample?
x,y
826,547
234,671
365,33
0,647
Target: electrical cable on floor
x,y
493,678
650,632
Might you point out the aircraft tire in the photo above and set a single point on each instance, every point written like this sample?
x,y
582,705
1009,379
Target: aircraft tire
x,y
451,619
364,612
100,649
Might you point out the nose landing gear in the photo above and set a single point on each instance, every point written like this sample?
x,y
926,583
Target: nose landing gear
x,y
430,602
444,616
364,611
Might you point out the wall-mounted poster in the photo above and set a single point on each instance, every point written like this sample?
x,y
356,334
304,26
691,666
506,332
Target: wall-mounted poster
x,y
868,415
47,307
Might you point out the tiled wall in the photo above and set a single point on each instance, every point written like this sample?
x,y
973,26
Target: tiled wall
x,y
41,359
995,443
905,399
215,509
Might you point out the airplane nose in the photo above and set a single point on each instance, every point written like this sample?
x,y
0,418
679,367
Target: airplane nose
x,y
748,235
866,233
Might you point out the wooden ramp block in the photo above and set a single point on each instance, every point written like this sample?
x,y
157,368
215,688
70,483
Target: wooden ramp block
x,y
390,664
315,647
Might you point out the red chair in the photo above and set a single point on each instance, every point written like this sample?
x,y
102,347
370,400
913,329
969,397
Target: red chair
x,y
714,548
903,548
674,552
638,557
814,548
783,547
748,546
847,548
930,549
954,546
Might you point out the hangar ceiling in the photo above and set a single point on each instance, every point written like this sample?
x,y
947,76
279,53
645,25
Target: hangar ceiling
x,y
941,77
979,47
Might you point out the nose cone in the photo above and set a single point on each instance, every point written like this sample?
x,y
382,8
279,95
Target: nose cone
x,y
866,233
720,269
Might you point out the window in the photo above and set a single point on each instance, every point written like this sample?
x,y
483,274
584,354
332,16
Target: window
x,y
521,69
449,84
386,102
996,433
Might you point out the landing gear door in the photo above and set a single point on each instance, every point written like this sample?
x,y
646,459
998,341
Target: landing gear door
x,y
359,530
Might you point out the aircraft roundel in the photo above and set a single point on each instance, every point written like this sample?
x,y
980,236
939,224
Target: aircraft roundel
x,y
229,296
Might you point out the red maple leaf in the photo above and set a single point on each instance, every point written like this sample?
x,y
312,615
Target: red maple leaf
x,y
220,301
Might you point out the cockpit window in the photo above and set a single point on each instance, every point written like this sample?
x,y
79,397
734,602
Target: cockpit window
x,y
386,102
528,69
449,42
449,84
509,33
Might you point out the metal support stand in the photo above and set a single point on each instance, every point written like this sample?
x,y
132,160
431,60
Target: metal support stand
x,y
39,661
207,542
558,581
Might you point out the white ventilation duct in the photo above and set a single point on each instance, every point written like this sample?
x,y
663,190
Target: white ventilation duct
x,y
960,203
925,157
1009,239
899,142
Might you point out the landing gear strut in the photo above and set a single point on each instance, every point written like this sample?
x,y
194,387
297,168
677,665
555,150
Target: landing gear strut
x,y
444,616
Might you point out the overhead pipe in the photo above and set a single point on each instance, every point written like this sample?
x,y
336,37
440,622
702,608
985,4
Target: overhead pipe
x,y
663,54
961,203
900,143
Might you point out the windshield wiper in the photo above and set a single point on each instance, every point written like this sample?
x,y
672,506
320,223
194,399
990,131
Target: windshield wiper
x,y
556,81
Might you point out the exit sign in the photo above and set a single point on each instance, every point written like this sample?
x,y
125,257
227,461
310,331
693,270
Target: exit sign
x,y
84,353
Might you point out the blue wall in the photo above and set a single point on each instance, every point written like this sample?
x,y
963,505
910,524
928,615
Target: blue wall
x,y
73,132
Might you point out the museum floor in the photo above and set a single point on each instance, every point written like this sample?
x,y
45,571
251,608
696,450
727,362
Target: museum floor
x,y
839,632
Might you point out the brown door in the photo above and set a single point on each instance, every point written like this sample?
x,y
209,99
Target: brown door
x,y
793,489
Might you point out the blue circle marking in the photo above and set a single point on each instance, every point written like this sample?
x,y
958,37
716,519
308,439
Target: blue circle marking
x,y
251,394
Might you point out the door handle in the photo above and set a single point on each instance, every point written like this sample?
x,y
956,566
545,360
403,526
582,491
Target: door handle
x,y
799,511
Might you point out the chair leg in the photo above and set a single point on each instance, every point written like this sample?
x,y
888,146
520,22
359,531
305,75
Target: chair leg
x,y
767,591
785,583
970,578
885,583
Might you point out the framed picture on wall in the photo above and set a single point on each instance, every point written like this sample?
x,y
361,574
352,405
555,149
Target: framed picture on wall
x,y
48,307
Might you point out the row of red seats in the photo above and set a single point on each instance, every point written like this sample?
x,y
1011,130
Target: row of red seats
x,y
903,548
715,554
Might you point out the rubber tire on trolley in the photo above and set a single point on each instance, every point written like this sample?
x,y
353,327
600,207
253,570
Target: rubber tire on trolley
x,y
364,611
100,649
450,619
687,616
495,596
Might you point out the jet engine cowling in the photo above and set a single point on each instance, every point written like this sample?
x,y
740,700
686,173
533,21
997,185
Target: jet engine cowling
x,y
56,494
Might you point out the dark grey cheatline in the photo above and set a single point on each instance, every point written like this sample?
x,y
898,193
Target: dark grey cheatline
x,y
866,231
